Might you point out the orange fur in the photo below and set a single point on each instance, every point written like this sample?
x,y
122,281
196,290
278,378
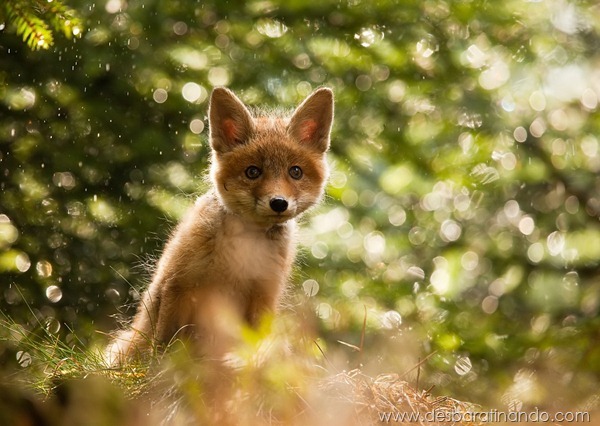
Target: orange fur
x,y
228,261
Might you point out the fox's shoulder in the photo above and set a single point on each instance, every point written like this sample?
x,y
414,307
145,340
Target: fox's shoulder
x,y
205,215
208,200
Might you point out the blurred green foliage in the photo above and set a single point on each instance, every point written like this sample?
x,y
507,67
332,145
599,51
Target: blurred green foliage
x,y
464,202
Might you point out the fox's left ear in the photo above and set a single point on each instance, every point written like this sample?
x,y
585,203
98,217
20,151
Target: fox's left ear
x,y
311,122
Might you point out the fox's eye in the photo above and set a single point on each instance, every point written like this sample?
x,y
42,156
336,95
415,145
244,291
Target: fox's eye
x,y
253,172
295,172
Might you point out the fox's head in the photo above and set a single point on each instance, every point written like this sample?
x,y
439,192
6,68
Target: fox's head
x,y
269,169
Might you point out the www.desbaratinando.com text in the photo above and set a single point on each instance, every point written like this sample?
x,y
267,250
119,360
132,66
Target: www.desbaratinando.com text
x,y
492,416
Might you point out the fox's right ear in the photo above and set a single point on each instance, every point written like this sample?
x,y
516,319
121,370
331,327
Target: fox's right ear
x,y
230,122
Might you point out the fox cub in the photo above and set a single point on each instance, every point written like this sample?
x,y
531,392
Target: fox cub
x,y
228,261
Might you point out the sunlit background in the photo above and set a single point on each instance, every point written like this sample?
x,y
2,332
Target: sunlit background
x,y
462,217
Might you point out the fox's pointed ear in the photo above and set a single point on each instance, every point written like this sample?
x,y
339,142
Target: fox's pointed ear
x,y
311,122
230,122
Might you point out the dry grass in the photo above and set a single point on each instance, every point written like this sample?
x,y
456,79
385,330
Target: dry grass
x,y
372,399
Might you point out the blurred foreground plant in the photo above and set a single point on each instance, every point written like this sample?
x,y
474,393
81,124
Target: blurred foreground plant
x,y
277,375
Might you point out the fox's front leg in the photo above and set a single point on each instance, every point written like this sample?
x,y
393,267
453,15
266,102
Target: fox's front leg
x,y
261,302
210,320
175,316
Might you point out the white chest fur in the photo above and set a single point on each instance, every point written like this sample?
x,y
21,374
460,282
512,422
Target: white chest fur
x,y
247,253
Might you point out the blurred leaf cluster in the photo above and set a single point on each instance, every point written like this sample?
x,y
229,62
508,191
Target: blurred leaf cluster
x,y
29,19
464,202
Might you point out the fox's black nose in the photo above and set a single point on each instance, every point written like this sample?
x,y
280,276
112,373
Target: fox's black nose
x,y
278,204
